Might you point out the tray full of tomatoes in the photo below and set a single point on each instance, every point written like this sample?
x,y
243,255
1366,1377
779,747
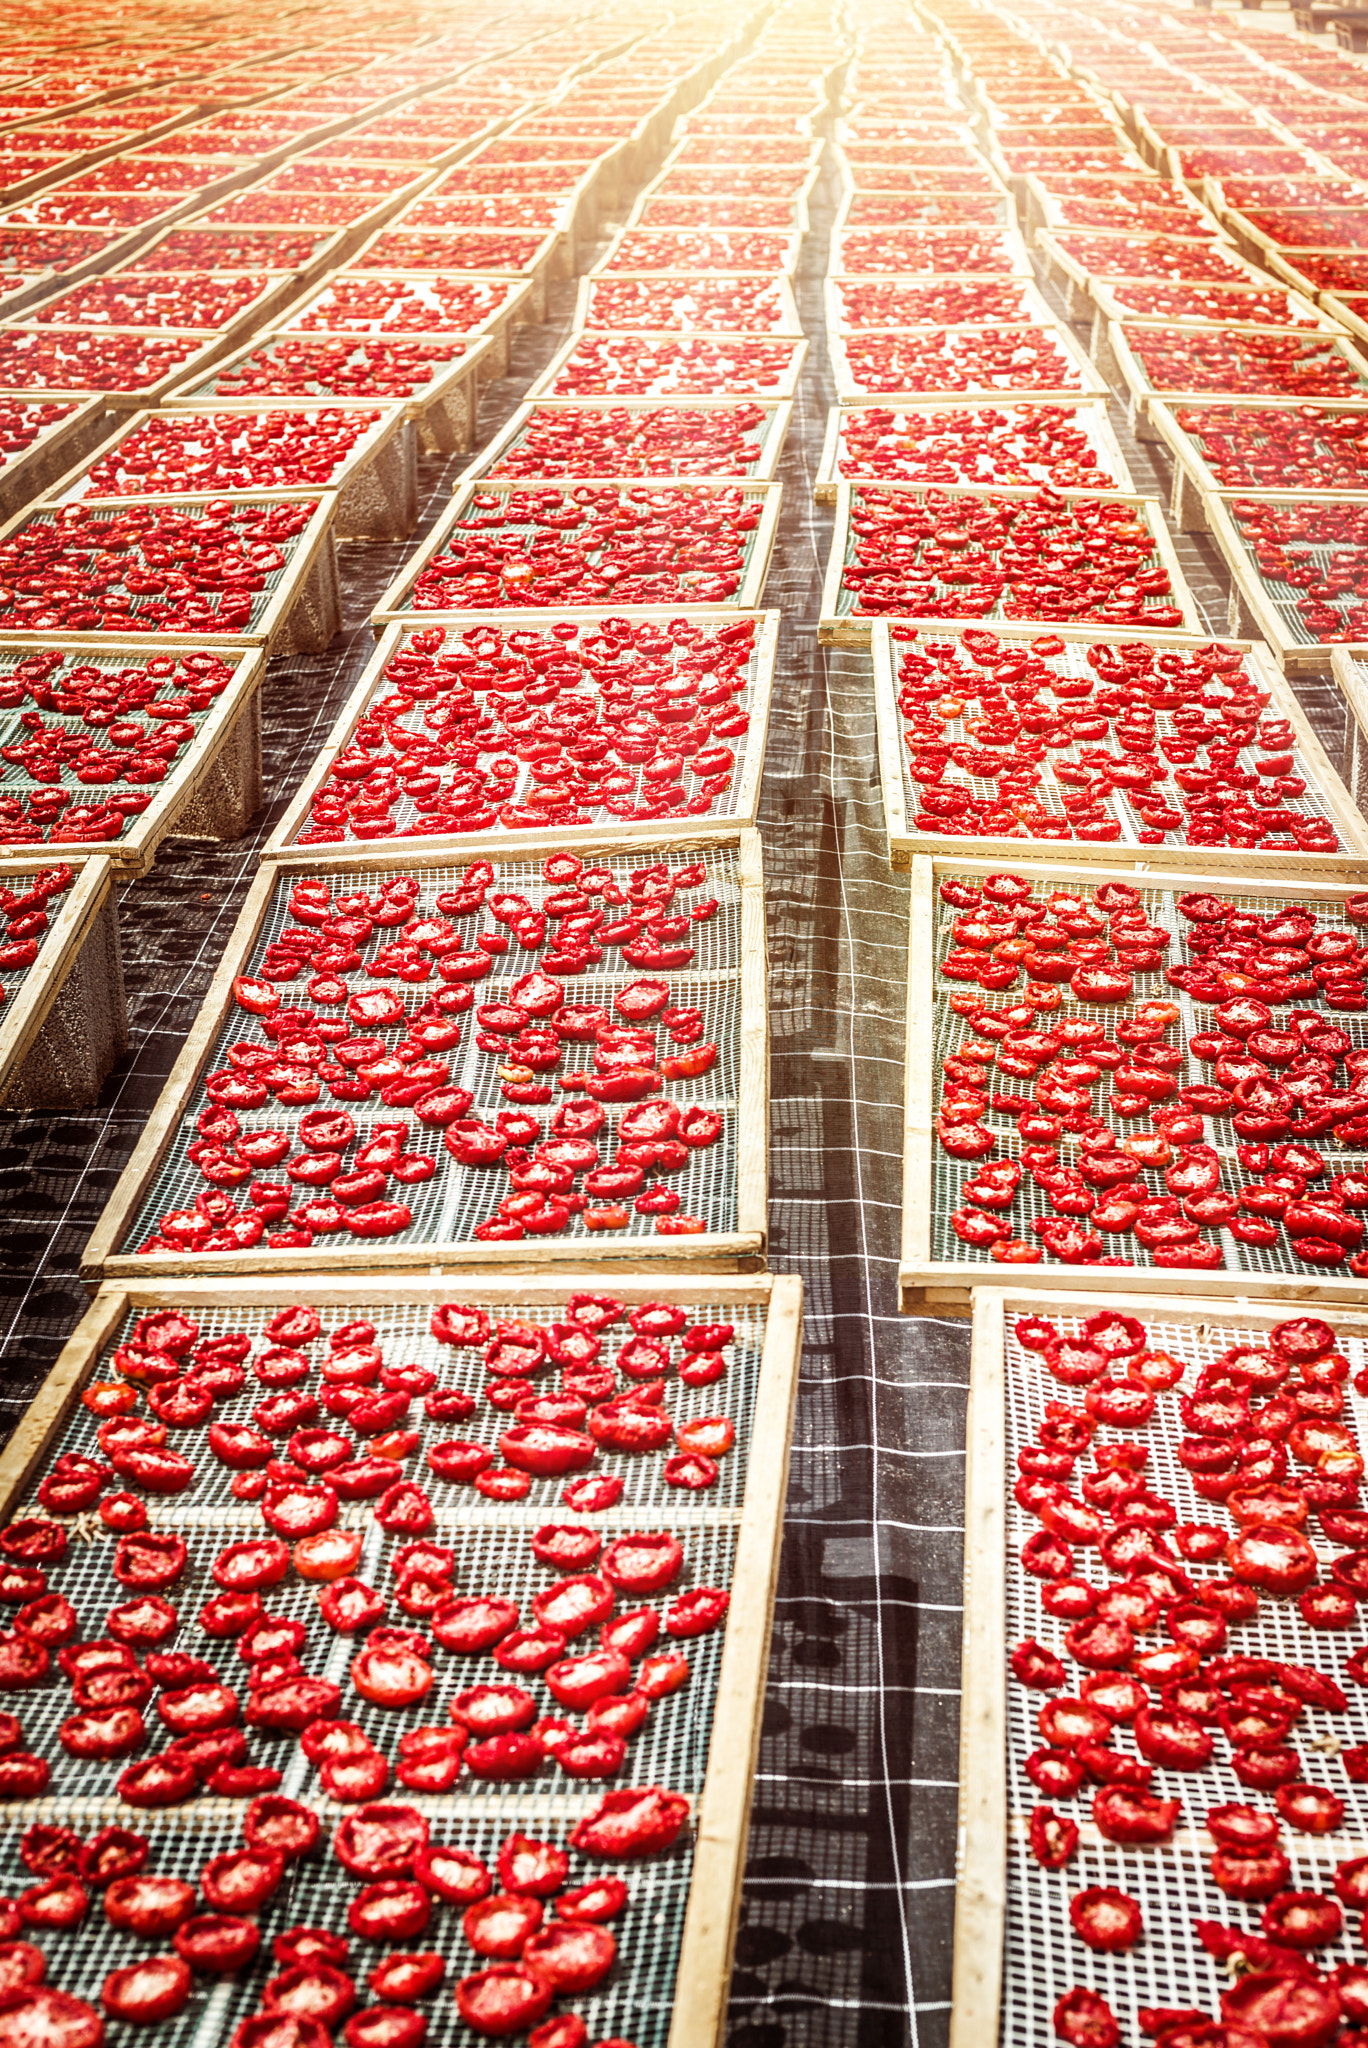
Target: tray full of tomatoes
x,y
1001,553
1214,759
607,1088
1069,445
62,1018
625,542
102,747
320,1707
1041,359
1170,1083
1163,1785
222,568
688,304
708,437
605,364
1297,561
644,725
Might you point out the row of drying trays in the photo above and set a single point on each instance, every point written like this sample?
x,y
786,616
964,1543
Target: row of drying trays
x,y
401,885
1124,1042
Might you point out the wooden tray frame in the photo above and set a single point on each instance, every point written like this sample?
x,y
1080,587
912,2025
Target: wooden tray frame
x,y
792,330
1090,411
385,208
945,1286
1019,262
214,790
450,846
1108,306
1193,478
786,387
836,628
374,489
740,1250
1004,220
1282,262
1037,310
326,256
444,413
392,603
799,221
721,1811
210,347
1040,205
787,268
1071,276
778,415
65,1025
1250,610
311,586
1143,395
246,319
34,468
1090,383
905,841
981,1863
548,260
499,326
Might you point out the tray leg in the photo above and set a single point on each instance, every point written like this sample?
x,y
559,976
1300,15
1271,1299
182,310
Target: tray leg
x,y
447,426
316,613
381,501
1185,503
228,795
85,1030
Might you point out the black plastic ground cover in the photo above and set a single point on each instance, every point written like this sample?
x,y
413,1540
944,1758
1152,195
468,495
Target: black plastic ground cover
x,y
848,1908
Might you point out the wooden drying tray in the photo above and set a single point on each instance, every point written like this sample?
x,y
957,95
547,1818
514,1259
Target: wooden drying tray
x,y
396,602
327,252
1018,263
786,267
1089,416
1004,218
516,310
444,411
984,1825
773,430
797,202
806,156
1070,277
840,627
1090,384
246,320
1257,243
1251,606
1109,305
720,1817
1284,263
108,1256
740,1248
790,326
303,612
1036,310
65,1024
214,789
1347,664
943,1286
32,470
749,746
374,490
1193,477
1312,763
1040,205
785,387
1142,394
553,257
209,347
